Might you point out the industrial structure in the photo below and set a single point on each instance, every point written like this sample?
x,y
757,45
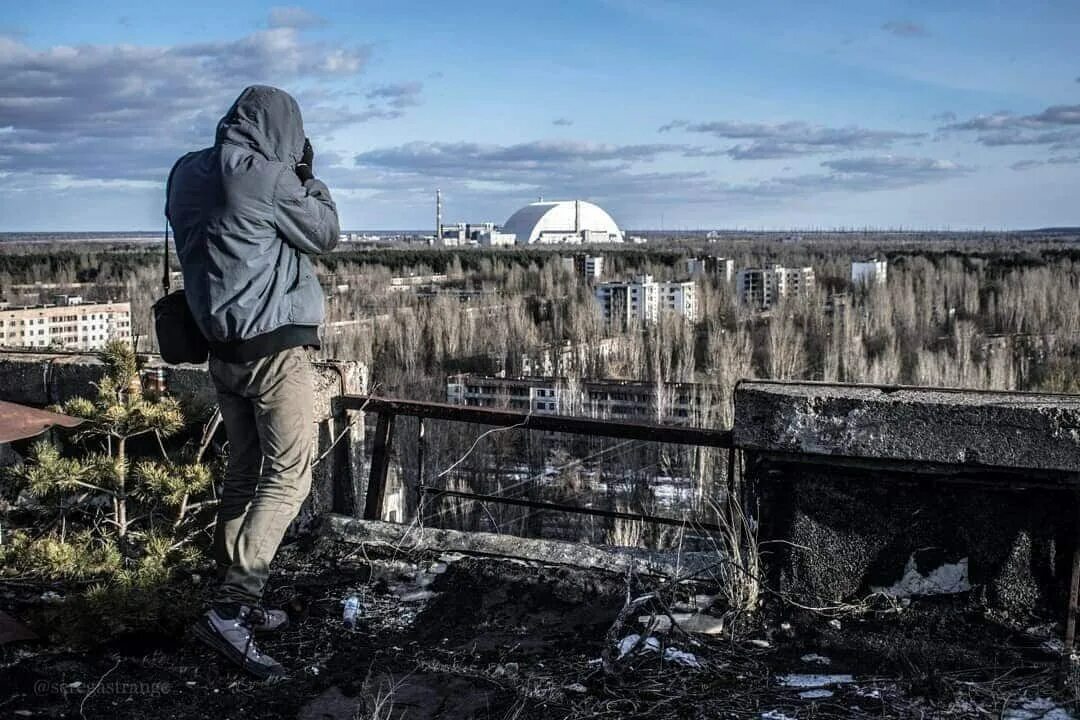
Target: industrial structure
x,y
572,222
562,222
763,287
67,323
461,234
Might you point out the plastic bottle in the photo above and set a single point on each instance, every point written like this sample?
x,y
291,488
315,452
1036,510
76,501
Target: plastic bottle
x,y
352,608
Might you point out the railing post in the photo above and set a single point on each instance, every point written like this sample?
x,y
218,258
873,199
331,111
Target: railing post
x,y
420,442
380,463
1074,584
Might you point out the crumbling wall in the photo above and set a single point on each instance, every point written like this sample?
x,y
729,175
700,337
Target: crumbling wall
x,y
853,484
339,480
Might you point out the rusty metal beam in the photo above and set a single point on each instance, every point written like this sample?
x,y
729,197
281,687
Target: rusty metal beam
x,y
552,423
380,463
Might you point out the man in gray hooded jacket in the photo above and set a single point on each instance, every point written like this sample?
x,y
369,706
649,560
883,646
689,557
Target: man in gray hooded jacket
x,y
247,214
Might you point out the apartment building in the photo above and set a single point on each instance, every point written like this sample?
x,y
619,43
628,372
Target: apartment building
x,y
670,403
763,287
642,299
869,272
711,265
679,298
589,267
69,323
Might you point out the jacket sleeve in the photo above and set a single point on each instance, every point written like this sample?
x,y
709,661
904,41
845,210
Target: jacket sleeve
x,y
305,214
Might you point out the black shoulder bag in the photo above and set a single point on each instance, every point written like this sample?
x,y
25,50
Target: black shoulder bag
x,y
179,338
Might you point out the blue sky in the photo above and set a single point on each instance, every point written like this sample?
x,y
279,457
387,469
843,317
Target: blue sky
x,y
682,114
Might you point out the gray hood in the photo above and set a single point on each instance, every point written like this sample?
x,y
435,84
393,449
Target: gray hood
x,y
265,120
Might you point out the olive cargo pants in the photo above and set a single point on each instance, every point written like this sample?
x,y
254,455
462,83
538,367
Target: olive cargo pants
x,y
266,406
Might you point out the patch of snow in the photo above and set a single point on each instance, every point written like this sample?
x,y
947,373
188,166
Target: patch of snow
x,y
1053,646
816,659
1037,709
796,680
651,644
775,715
815,694
949,579
680,657
760,643
627,644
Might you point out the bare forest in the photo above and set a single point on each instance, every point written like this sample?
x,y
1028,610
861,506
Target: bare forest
x,y
979,312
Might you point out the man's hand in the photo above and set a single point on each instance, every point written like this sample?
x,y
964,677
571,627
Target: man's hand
x,y
304,169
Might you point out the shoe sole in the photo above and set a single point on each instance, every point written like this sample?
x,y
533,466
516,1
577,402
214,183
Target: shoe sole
x,y
210,638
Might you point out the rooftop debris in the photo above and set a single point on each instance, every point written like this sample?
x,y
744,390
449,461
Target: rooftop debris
x,y
500,638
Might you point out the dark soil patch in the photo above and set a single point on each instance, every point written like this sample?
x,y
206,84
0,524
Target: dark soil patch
x,y
502,639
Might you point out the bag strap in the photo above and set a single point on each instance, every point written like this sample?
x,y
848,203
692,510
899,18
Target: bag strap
x,y
166,283
165,279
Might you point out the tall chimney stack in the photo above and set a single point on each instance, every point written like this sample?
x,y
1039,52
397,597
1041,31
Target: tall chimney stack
x,y
438,217
577,217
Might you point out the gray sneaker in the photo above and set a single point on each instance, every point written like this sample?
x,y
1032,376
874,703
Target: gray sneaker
x,y
263,620
233,637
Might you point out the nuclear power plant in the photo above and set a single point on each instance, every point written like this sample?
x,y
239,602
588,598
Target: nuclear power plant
x,y
563,222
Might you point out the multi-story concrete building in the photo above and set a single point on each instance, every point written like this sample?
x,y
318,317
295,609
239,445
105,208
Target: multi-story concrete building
x,y
711,265
679,298
625,303
669,403
590,267
763,287
69,324
869,272
643,299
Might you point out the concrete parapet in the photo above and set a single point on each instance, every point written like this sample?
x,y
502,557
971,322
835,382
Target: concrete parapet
x,y
1006,430
859,487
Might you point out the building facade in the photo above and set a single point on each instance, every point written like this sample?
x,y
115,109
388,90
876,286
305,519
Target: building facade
x,y
589,267
669,403
68,324
643,300
711,265
764,287
869,272
624,304
679,298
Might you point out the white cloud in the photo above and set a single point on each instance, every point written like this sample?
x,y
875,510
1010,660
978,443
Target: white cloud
x,y
790,139
126,112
